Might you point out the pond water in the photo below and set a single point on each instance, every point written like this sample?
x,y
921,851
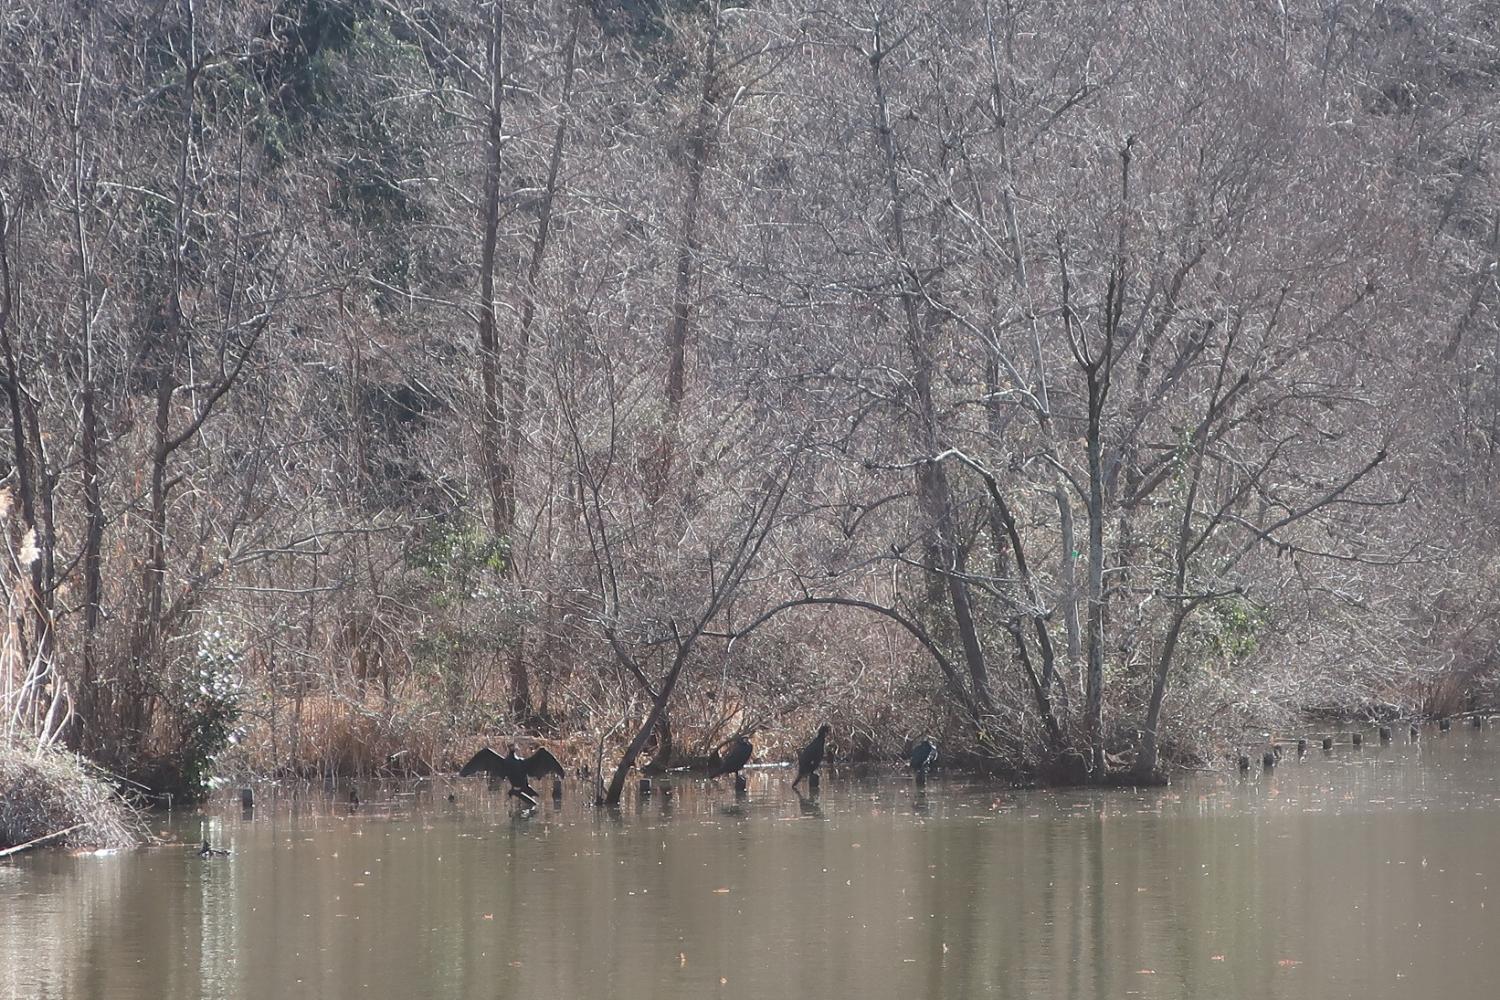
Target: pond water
x,y
1364,872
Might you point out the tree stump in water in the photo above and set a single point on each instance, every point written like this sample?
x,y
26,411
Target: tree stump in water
x,y
1359,739
1385,734
1328,743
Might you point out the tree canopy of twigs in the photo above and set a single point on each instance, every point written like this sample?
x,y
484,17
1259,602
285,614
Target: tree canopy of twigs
x,y
1085,381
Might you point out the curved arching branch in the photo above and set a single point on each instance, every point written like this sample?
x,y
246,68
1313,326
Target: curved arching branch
x,y
977,704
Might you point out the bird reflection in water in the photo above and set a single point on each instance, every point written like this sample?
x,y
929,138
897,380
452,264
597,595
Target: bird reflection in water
x,y
808,805
919,804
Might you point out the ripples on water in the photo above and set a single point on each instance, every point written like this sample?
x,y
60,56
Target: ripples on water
x,y
1358,873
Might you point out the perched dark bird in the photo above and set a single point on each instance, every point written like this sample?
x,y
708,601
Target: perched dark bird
x,y
924,755
736,757
211,852
811,755
515,769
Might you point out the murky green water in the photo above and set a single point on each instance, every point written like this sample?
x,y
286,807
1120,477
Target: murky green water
x,y
1365,873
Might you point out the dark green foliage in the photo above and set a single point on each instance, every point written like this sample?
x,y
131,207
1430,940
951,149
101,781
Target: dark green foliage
x,y
207,702
331,92
648,21
455,554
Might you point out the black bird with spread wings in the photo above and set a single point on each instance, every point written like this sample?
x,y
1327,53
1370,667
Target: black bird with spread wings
x,y
811,755
736,757
515,769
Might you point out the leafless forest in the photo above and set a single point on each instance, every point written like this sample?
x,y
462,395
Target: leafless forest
x,y
1085,383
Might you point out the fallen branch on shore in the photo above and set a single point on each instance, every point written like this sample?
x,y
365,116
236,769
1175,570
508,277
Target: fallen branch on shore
x,y
38,841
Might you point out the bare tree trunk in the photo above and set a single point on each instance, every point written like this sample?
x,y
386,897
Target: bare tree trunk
x,y
689,245
653,719
1068,585
26,460
499,474
518,389
945,557
1094,682
168,349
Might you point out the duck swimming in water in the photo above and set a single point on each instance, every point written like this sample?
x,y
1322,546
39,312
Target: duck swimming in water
x,y
211,852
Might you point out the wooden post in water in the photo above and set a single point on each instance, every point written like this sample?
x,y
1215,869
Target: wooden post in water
x,y
1478,722
1244,762
1385,734
1416,732
1328,743
1444,725
645,787
1301,745
557,790
1268,759
1358,739
247,798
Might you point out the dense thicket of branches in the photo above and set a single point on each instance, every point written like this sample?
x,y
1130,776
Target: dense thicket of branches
x,y
1080,380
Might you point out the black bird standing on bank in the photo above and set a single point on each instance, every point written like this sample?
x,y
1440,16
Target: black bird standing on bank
x,y
811,756
923,756
515,769
736,757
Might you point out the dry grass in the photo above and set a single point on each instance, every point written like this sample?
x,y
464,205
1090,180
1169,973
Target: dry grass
x,y
42,792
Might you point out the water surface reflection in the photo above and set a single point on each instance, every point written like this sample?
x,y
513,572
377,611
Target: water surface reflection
x,y
1358,873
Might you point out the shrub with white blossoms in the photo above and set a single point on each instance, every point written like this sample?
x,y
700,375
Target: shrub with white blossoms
x,y
210,699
